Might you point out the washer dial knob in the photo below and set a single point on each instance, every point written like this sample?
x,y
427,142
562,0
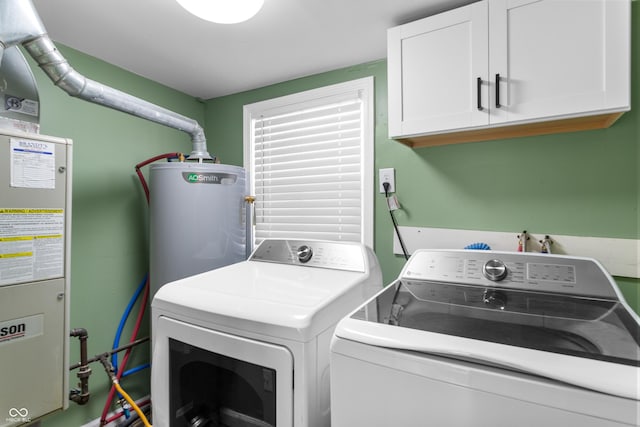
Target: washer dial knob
x,y
494,270
304,253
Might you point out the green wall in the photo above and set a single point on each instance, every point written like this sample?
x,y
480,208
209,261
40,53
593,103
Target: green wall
x,y
583,183
109,226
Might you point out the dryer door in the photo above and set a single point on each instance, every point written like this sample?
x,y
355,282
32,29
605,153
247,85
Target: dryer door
x,y
205,378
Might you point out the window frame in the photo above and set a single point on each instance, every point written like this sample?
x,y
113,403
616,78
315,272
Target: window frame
x,y
364,87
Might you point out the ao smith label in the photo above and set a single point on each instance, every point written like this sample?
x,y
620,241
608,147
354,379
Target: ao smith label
x,y
209,178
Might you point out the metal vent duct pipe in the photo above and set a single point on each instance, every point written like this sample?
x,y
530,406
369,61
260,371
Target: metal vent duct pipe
x,y
21,24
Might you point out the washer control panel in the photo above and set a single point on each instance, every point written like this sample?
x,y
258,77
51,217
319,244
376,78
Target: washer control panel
x,y
333,255
516,270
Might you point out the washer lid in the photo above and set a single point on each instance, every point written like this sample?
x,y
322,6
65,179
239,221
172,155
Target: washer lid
x,y
589,342
555,316
288,301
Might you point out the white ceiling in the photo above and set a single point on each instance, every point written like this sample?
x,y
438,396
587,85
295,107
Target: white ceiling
x,y
287,39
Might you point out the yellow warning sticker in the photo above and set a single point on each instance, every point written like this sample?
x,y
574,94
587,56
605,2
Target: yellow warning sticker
x,y
31,244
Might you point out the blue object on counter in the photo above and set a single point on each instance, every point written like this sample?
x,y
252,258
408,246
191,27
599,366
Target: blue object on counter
x,y
479,245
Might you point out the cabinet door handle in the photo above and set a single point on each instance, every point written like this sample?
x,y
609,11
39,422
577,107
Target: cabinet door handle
x,y
498,91
479,89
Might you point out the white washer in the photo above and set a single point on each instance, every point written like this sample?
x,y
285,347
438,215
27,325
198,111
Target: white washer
x,y
489,339
248,344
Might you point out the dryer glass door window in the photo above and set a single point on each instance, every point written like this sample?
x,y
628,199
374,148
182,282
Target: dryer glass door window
x,y
211,389
203,377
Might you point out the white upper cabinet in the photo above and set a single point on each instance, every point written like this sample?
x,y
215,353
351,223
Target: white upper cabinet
x,y
503,68
433,66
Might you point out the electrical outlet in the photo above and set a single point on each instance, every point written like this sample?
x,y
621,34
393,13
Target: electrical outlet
x,y
387,175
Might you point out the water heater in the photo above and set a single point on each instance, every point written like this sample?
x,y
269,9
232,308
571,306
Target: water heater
x,y
35,237
197,219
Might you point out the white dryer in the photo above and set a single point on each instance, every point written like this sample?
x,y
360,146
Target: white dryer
x,y
490,339
248,344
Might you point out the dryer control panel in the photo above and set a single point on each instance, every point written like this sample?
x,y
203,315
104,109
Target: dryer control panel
x,y
313,253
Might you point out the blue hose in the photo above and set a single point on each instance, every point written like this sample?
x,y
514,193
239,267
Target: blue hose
x,y
123,320
136,369
479,245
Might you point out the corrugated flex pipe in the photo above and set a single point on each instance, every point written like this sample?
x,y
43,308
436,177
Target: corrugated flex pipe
x,y
21,24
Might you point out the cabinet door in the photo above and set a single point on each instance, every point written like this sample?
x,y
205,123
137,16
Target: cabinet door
x,y
434,65
558,58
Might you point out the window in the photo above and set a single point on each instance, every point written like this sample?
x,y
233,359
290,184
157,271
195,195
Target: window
x,y
309,157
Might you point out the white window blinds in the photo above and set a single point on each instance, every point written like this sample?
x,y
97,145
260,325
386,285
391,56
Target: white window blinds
x,y
307,168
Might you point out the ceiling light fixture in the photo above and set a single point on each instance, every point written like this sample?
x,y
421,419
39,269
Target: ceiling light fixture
x,y
222,11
